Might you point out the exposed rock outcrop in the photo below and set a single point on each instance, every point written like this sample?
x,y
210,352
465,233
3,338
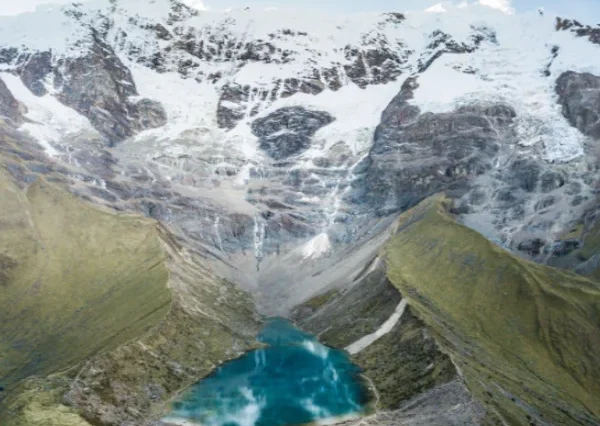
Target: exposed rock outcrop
x,y
449,404
100,87
581,30
288,131
415,155
577,247
474,154
9,106
232,105
238,102
579,95
34,71
376,64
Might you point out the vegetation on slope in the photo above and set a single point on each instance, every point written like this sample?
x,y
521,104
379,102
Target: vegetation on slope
x,y
75,280
37,402
526,337
404,363
123,314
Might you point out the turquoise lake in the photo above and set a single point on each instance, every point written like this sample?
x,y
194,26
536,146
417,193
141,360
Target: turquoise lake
x,y
295,380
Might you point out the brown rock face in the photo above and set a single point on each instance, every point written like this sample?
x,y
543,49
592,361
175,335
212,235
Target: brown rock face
x,y
9,106
100,87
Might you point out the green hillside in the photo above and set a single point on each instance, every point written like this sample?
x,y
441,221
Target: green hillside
x,y
525,336
74,280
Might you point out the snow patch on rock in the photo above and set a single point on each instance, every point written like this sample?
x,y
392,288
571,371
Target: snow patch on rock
x,y
317,247
512,71
49,120
385,328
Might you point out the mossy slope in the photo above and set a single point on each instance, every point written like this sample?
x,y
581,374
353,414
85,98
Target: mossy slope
x,y
75,280
525,336
37,403
109,313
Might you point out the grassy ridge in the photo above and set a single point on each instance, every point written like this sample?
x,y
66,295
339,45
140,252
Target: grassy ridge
x,y
526,336
75,280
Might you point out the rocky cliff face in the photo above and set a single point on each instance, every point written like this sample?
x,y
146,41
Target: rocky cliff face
x,y
101,88
579,95
97,85
288,131
415,155
581,30
9,107
277,151
249,134
473,153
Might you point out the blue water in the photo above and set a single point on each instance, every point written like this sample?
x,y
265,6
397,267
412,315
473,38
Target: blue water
x,y
293,381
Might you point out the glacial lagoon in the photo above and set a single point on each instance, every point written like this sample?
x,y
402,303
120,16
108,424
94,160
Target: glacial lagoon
x,y
294,380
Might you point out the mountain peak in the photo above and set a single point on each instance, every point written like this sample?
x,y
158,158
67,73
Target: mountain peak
x,y
177,92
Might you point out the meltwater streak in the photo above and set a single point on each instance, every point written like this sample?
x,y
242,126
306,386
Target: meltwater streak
x,y
295,380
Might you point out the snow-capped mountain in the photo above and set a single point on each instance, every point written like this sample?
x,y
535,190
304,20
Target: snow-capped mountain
x,y
262,135
318,168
